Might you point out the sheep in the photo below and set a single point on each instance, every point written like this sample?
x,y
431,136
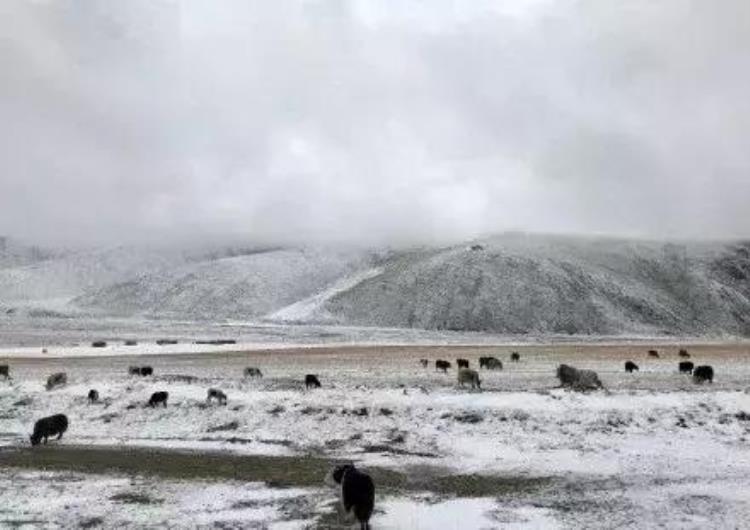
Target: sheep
x,y
253,372
462,363
630,367
49,426
5,371
442,365
578,379
653,353
515,357
57,379
703,373
312,381
357,494
93,396
158,397
684,354
215,393
686,367
466,375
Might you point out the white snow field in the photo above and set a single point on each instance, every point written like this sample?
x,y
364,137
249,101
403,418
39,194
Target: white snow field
x,y
653,449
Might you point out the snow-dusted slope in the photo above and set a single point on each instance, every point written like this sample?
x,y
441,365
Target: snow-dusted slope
x,y
521,284
247,286
510,284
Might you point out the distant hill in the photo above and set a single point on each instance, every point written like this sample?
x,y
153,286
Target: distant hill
x,y
510,284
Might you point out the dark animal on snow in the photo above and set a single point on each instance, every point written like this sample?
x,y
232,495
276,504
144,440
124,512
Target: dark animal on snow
x,y
158,397
684,353
253,372
466,375
49,426
99,344
493,363
93,396
686,367
134,370
164,342
357,494
55,380
311,381
147,370
483,362
578,379
131,343
653,353
442,365
218,395
462,363
703,373
424,363
5,370
515,357
630,367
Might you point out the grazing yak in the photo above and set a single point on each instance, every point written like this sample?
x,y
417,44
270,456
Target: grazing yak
x,y
686,367
141,370
424,362
49,426
165,342
684,353
134,370
218,395
467,375
99,344
630,367
158,397
442,365
253,372
93,396
147,370
55,380
357,493
653,353
462,363
703,373
515,357
5,371
131,343
493,363
578,379
312,381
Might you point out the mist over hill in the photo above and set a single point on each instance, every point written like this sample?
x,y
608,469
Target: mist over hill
x,y
508,284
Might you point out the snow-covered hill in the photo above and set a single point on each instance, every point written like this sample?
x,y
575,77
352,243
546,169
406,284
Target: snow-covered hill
x,y
509,284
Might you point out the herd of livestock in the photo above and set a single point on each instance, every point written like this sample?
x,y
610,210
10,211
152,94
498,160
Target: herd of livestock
x,y
356,488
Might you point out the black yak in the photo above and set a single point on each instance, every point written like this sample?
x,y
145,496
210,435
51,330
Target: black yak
x,y
158,397
424,362
218,395
251,371
357,494
493,363
5,371
703,373
442,365
630,367
684,353
686,367
653,353
93,396
147,370
312,381
462,363
99,344
515,357
49,426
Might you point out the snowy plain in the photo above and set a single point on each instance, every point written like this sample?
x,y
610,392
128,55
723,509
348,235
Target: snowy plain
x,y
653,449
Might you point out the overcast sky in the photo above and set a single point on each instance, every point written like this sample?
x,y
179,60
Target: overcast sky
x,y
373,121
